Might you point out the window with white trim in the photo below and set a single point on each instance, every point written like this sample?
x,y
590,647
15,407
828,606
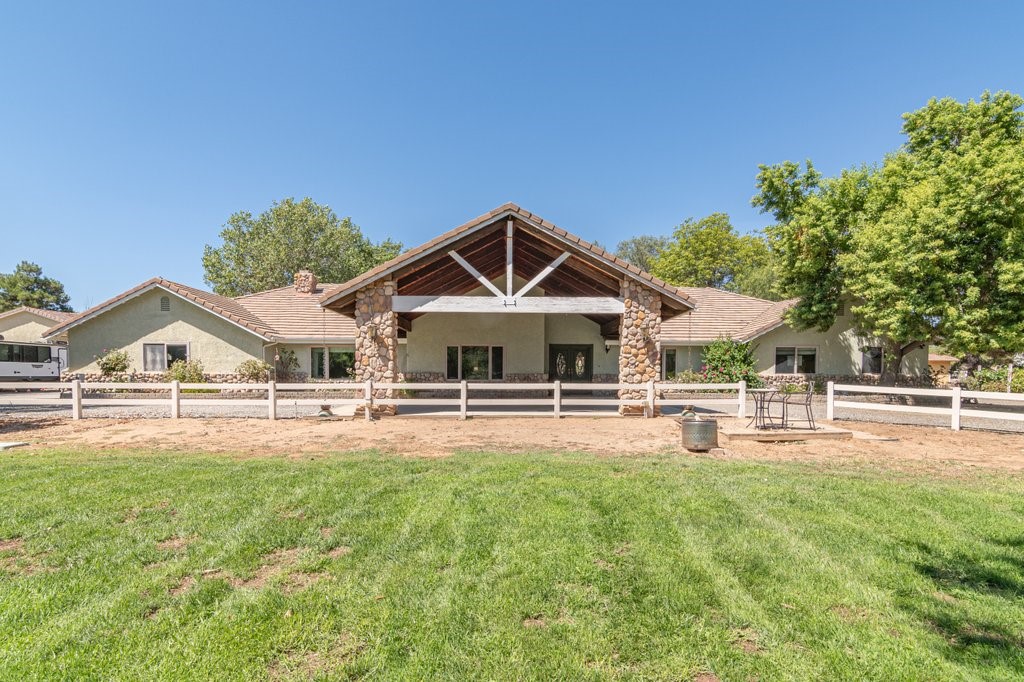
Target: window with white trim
x,y
331,363
157,357
796,360
475,363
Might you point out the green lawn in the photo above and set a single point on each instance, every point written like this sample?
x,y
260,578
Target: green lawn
x,y
151,566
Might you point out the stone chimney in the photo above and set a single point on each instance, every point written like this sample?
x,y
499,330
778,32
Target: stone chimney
x,y
305,282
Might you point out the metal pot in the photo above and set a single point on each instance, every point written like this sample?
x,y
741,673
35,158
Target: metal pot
x,y
699,435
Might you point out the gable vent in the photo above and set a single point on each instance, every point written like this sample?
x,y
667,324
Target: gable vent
x,y
165,304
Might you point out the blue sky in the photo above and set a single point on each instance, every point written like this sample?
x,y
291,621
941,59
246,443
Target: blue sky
x,y
129,132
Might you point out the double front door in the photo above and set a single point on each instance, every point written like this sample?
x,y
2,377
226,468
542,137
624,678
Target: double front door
x,y
570,363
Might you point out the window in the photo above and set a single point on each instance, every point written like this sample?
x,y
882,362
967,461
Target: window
x,y
871,360
793,360
157,357
165,304
475,363
331,363
13,352
668,364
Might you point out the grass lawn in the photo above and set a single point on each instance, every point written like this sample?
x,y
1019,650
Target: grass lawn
x,y
496,566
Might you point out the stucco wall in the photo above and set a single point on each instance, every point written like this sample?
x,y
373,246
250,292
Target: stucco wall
x,y
219,344
25,326
521,334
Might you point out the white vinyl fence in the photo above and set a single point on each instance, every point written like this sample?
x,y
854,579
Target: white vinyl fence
x,y
554,395
955,395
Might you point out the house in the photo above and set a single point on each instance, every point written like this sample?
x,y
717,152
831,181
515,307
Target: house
x,y
29,325
505,297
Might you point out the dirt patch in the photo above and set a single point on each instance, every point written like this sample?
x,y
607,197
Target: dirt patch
x,y
297,582
745,639
183,586
326,532
851,614
705,677
12,545
174,543
945,598
273,565
604,565
312,664
339,551
916,448
535,622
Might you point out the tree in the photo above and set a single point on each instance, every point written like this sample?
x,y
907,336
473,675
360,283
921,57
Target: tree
x,y
27,286
709,253
264,252
928,246
642,251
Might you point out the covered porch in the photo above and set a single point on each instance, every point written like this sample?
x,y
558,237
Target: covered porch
x,y
508,298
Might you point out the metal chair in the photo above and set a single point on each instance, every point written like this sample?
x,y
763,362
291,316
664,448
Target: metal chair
x,y
796,400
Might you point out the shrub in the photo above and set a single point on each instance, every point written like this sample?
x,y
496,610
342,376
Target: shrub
x,y
113,362
254,370
688,376
727,361
994,379
186,371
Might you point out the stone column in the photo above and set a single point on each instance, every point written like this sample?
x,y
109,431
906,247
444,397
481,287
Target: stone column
x,y
640,342
377,339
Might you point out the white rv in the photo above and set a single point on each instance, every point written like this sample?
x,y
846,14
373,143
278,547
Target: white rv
x,y
31,361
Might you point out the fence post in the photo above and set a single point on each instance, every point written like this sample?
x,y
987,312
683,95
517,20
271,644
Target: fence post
x,y
741,411
649,409
76,399
956,409
368,397
830,401
558,399
272,400
175,399
463,399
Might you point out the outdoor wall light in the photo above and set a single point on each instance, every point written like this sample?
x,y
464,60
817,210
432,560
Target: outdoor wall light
x,y
371,331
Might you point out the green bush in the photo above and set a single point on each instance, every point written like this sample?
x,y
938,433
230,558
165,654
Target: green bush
x,y
186,371
727,361
688,376
254,370
113,362
994,379
286,360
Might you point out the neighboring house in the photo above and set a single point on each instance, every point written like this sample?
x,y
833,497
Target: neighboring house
x,y
506,297
941,367
29,325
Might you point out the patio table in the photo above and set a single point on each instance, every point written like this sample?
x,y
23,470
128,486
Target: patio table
x,y
763,399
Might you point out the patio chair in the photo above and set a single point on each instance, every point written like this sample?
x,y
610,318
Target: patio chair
x,y
797,400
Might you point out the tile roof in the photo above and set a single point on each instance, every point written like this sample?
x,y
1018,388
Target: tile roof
x,y
466,228
723,313
223,306
55,315
294,315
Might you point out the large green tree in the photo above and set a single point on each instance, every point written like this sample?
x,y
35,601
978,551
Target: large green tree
x,y
27,286
643,250
265,251
708,252
927,246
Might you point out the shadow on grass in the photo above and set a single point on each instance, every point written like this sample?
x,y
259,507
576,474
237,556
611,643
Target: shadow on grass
x,y
962,582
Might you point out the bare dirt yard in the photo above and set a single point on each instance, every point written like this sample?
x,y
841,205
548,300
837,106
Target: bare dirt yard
x,y
890,446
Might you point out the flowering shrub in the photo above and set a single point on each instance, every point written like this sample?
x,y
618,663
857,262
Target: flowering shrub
x,y
113,362
727,361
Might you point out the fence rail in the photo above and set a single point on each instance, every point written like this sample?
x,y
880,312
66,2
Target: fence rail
x,y
554,395
955,395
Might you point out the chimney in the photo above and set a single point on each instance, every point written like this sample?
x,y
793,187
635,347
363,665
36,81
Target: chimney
x,y
305,282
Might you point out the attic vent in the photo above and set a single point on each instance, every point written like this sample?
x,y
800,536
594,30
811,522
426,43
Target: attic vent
x,y
165,304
